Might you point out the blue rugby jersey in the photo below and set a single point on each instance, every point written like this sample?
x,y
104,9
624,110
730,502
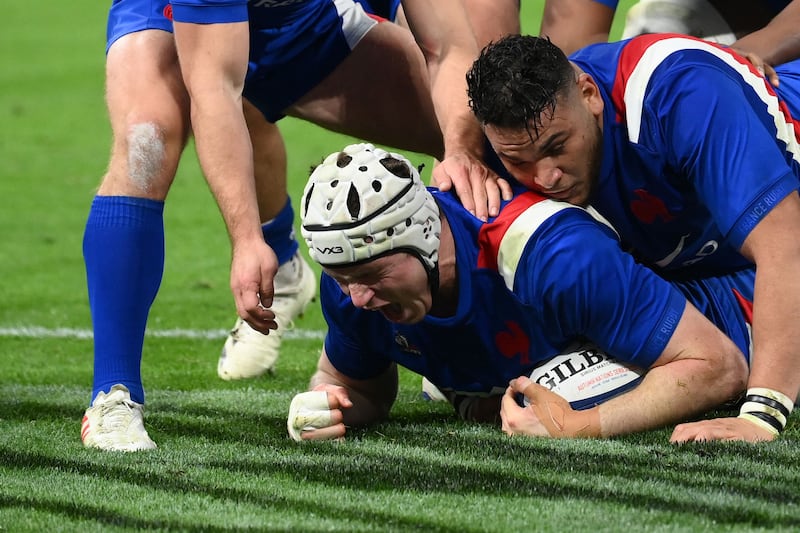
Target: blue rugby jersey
x,y
570,280
697,148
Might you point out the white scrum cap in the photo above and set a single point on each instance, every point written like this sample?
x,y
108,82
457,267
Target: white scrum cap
x,y
364,202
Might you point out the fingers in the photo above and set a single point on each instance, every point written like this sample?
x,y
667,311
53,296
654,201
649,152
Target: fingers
x,y
256,314
508,411
505,189
494,196
765,69
253,269
771,75
719,429
481,206
268,263
334,432
456,177
338,397
440,179
697,432
476,185
265,293
482,191
537,394
473,200
317,414
519,384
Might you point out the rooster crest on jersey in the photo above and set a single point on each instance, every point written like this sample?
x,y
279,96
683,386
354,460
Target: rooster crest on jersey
x,y
586,376
364,202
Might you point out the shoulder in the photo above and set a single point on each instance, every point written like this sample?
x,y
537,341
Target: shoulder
x,y
534,225
650,59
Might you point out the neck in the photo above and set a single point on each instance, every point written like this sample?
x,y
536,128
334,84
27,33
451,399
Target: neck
x,y
446,300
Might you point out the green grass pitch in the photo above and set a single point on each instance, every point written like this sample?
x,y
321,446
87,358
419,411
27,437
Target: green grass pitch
x,y
225,462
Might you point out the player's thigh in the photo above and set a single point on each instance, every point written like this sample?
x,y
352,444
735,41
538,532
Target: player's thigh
x,y
149,112
380,93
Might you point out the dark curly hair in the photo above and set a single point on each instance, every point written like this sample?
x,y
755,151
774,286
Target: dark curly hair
x,y
517,80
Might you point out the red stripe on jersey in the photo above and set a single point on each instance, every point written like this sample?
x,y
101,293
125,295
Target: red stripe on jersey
x,y
491,235
788,115
629,59
632,55
746,305
376,18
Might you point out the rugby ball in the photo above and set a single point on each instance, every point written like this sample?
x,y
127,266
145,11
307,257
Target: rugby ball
x,y
586,376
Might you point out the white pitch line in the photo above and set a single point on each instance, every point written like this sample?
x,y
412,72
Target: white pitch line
x,y
36,332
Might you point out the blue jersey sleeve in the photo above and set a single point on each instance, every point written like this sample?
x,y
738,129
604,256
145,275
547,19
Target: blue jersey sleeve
x,y
209,11
588,287
724,131
354,335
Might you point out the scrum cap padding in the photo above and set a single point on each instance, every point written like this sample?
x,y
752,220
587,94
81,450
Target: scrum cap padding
x,y
363,202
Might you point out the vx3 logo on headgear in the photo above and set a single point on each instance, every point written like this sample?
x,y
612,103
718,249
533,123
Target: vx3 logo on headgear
x,y
327,250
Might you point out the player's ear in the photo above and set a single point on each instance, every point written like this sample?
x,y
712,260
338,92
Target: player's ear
x,y
590,93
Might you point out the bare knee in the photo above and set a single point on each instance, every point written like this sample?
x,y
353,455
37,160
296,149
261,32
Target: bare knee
x,y
146,155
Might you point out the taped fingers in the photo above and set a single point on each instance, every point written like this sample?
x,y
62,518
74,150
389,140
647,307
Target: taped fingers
x,y
308,411
335,431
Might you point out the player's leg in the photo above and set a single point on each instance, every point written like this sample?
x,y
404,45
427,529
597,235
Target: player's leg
x,y
123,242
333,64
380,92
247,353
391,104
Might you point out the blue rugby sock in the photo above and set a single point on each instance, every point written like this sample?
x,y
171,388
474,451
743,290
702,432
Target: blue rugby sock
x,y
279,233
123,249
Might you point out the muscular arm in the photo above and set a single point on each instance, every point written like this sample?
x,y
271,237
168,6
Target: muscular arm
x,y
699,369
213,61
775,249
372,399
779,41
443,32
573,24
630,312
773,246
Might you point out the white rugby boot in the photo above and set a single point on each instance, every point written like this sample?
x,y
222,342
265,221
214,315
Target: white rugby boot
x,y
114,422
248,353
431,392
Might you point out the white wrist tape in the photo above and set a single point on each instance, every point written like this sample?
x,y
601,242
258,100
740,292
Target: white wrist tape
x,y
773,395
760,423
767,408
308,411
755,407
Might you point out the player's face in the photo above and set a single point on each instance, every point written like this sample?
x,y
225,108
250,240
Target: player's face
x,y
395,285
563,160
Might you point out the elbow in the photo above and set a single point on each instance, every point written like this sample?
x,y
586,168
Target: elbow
x,y
731,376
716,379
